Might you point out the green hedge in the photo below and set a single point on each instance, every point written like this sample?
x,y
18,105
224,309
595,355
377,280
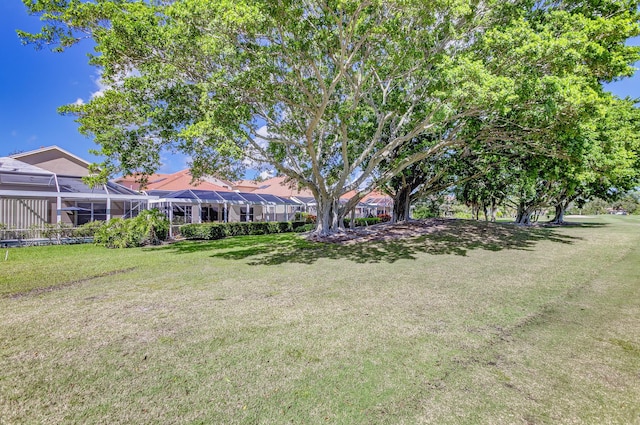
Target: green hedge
x,y
212,231
363,221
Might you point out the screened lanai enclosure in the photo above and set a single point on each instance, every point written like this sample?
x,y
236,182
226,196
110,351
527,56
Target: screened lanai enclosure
x,y
202,206
370,207
378,205
31,197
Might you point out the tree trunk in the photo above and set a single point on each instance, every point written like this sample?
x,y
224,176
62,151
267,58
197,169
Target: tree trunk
x,y
559,217
561,208
338,216
407,207
475,211
401,205
494,211
524,218
524,214
324,219
352,222
330,217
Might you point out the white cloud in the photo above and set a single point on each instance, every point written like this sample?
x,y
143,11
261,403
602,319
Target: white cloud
x,y
266,174
100,85
264,132
79,102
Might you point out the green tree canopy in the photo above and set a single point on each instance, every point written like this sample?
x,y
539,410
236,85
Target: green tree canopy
x,y
326,91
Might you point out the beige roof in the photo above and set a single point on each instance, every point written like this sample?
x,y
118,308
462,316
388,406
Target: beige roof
x,y
55,160
50,148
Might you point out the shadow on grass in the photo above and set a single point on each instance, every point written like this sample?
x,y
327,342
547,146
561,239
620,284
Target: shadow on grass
x,y
457,237
572,224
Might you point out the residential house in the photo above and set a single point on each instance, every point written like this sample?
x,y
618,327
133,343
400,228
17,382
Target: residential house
x,y
45,186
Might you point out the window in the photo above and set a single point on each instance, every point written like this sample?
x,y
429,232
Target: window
x,y
209,214
246,213
91,211
181,214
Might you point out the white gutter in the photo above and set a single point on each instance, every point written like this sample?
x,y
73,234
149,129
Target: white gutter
x,y
75,195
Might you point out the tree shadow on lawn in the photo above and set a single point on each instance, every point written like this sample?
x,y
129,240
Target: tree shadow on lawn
x,y
457,237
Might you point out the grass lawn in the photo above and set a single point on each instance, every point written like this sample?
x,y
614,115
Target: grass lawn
x,y
478,323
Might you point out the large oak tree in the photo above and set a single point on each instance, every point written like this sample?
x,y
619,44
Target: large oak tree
x,y
326,91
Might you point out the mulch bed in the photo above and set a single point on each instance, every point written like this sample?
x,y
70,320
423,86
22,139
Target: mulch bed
x,y
385,231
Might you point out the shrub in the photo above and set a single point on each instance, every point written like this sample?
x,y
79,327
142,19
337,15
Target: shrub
x,y
306,217
210,231
237,229
295,225
384,217
363,221
87,230
114,233
213,231
153,225
307,227
280,227
426,211
149,227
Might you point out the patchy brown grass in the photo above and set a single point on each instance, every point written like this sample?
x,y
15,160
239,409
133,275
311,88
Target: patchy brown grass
x,y
41,290
472,323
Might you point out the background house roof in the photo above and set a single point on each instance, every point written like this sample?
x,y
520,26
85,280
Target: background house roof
x,y
133,182
164,185
181,180
279,186
247,185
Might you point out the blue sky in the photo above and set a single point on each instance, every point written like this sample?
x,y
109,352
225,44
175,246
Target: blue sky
x,y
33,84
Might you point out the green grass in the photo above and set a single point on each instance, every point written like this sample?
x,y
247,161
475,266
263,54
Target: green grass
x,y
478,323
